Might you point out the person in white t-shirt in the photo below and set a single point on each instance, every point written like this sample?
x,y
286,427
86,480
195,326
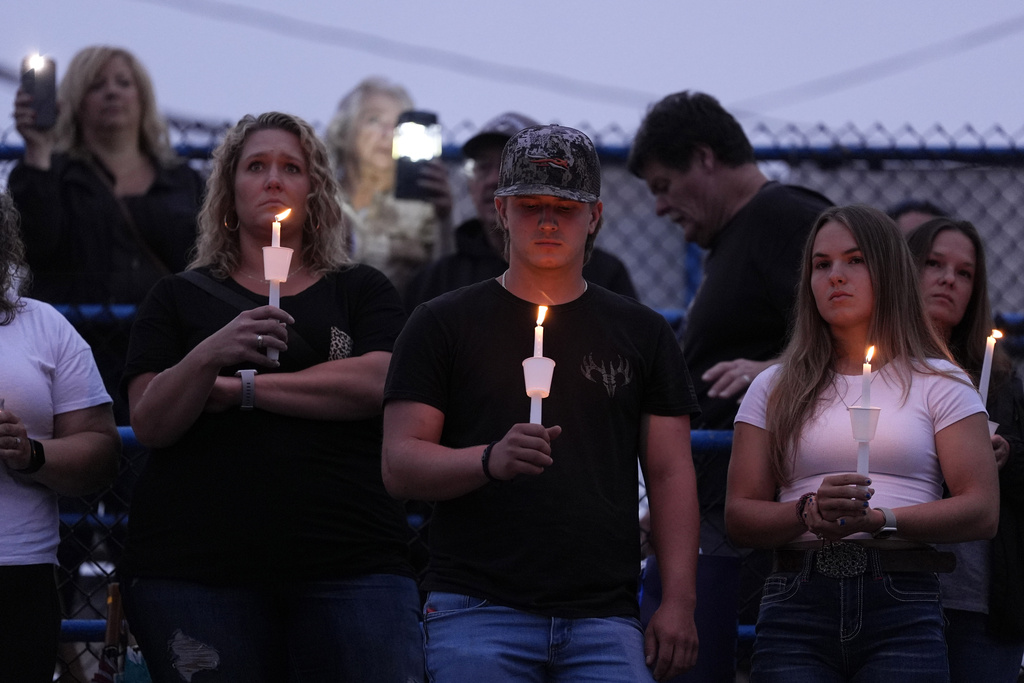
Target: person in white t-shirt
x,y
57,437
854,593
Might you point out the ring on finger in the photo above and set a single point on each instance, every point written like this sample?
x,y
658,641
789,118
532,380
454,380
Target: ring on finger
x,y
259,342
746,378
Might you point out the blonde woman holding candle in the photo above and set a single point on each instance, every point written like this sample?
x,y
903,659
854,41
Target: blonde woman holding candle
x,y
983,599
854,591
262,545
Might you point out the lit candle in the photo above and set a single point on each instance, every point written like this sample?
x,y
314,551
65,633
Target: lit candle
x,y
538,332
276,268
986,365
865,395
275,234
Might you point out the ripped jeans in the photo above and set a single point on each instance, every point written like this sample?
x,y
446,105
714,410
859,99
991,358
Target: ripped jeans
x,y
360,629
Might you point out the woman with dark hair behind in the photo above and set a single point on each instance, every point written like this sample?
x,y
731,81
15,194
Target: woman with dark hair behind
x,y
983,599
57,437
262,545
854,593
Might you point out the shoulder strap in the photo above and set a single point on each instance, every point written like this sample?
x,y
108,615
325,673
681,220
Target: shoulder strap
x,y
214,288
129,220
233,298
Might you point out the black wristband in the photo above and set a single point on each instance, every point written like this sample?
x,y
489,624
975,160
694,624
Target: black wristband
x,y
36,460
485,460
801,504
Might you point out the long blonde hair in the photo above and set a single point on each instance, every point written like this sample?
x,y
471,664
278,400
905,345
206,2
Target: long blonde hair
x,y
323,233
899,329
81,73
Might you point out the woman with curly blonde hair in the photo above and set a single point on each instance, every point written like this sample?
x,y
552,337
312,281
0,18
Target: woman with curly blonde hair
x,y
323,231
260,533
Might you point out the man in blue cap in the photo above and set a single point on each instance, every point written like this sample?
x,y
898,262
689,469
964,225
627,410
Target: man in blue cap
x,y
534,545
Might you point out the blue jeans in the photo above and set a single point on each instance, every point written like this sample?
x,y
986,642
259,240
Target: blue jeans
x,y
470,639
876,627
974,655
361,629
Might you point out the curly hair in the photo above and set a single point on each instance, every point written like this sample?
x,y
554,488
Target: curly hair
x,y
323,233
81,73
341,131
12,260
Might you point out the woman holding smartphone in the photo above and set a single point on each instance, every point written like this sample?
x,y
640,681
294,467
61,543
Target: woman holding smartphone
x,y
107,209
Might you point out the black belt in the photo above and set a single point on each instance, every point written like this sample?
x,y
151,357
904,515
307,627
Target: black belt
x,y
843,559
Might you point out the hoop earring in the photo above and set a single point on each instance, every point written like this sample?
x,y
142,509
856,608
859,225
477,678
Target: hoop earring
x,y
228,227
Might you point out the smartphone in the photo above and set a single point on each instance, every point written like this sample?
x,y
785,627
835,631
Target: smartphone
x,y
39,79
417,140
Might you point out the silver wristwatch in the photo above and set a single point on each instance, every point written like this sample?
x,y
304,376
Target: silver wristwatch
x,y
888,526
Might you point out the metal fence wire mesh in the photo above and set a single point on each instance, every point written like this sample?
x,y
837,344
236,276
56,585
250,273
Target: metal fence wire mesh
x,y
974,175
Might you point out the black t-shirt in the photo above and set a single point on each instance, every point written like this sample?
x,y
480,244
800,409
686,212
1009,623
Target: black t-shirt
x,y
253,496
744,306
565,543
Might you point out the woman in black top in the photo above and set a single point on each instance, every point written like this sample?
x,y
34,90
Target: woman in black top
x,y
262,545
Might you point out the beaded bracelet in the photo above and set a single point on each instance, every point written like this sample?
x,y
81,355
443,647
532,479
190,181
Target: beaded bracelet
x,y
801,504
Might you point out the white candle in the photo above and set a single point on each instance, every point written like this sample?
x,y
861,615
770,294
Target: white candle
x,y
986,365
535,410
275,284
865,395
538,332
863,449
275,228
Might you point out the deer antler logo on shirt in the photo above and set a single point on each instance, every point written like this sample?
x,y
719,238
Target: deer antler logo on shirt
x,y
612,376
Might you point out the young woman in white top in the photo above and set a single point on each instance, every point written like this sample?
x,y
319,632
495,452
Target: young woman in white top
x,y
854,594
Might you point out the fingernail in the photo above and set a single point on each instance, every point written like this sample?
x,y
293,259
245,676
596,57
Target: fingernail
x,y
865,503
842,521
869,482
868,496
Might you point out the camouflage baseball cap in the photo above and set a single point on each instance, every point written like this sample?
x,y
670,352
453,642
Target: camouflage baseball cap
x,y
550,160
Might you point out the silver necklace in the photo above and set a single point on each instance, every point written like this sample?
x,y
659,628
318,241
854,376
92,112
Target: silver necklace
x,y
835,387
586,285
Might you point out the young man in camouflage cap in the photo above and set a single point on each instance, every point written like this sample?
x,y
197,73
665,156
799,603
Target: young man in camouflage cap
x,y
534,540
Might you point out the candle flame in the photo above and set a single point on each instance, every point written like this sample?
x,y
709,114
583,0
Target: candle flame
x,y
871,352
996,334
541,312
36,62
281,216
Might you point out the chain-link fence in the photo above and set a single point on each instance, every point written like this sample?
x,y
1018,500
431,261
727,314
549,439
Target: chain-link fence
x,y
974,175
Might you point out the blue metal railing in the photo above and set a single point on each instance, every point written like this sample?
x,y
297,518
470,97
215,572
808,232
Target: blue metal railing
x,y
94,630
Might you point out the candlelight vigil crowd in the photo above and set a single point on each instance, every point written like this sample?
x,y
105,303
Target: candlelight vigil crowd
x,y
319,353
